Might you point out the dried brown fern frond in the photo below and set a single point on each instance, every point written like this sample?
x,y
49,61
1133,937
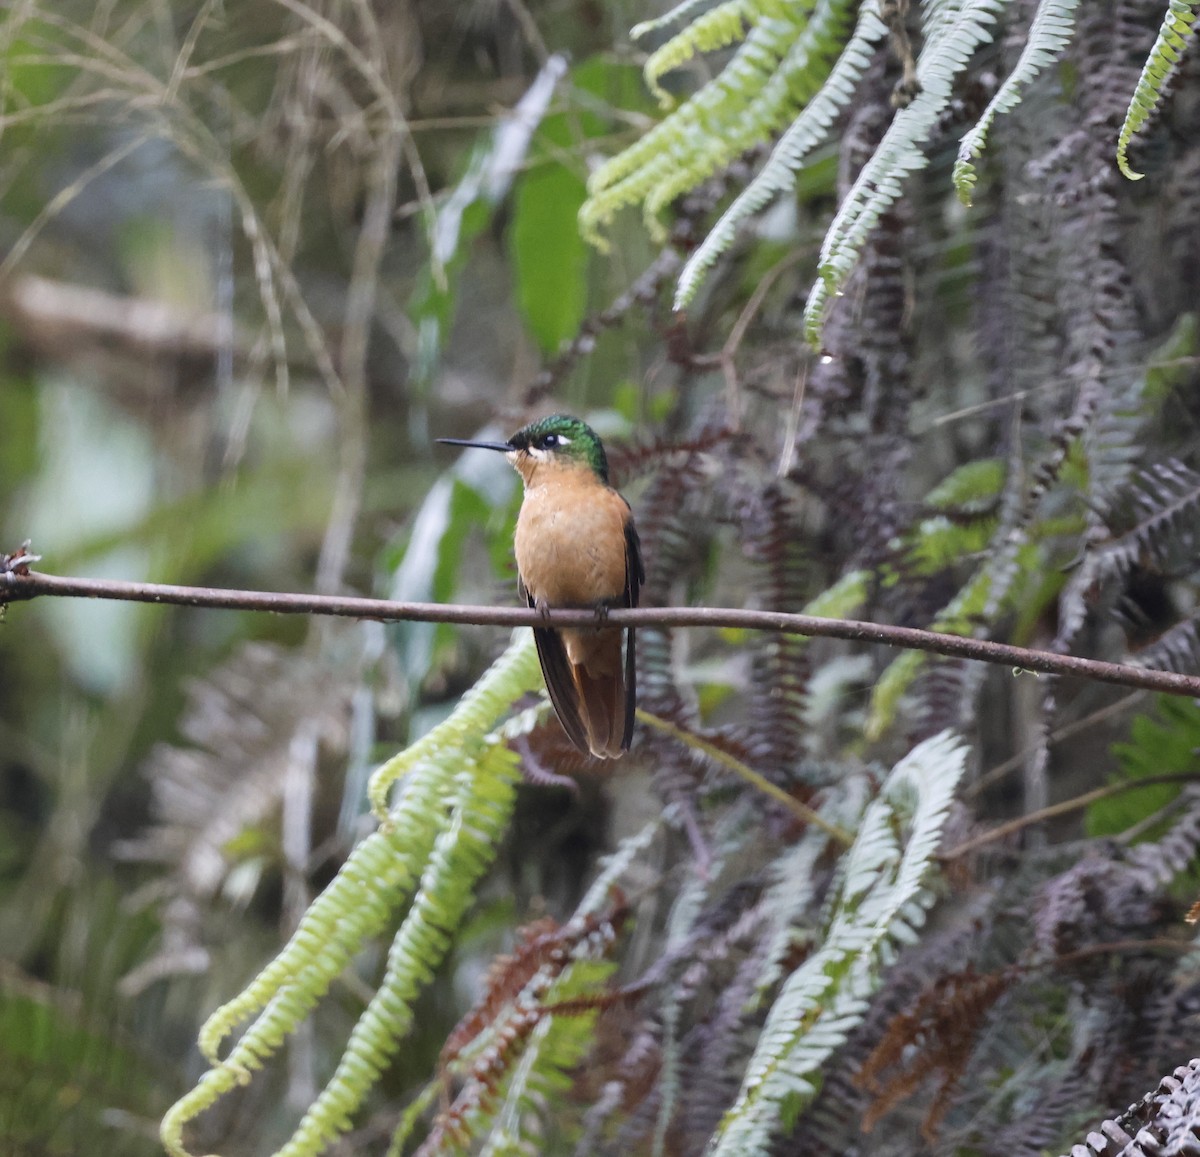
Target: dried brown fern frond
x,y
485,1045
935,1038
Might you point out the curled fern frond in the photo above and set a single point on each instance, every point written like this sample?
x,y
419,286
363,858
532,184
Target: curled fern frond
x,y
461,854
685,10
719,27
512,675
1051,30
1168,47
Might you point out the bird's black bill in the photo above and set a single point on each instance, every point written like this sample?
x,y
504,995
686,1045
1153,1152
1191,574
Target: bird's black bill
x,y
503,447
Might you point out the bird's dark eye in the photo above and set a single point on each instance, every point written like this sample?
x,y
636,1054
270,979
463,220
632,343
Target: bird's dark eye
x,y
548,441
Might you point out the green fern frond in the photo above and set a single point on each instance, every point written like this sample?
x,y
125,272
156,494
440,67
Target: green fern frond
x,y
973,487
798,78
783,61
627,177
556,1046
1052,28
685,10
801,74
526,1077
514,674
794,879
456,800
881,902
952,35
720,27
486,792
940,542
843,599
804,134
1168,46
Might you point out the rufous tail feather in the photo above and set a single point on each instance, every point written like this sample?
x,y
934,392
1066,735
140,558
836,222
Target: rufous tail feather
x,y
600,691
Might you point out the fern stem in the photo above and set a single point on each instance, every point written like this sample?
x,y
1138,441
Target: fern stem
x,y
802,811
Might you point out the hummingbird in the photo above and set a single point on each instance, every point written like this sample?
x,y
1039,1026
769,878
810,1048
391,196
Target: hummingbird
x,y
576,546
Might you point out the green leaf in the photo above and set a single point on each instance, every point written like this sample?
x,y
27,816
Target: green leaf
x,y
549,254
938,543
1160,744
973,487
489,174
880,902
31,77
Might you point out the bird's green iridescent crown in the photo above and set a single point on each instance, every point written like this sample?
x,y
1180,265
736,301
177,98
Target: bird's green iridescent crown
x,y
567,437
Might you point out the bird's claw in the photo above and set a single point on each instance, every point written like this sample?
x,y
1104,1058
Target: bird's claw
x,y
542,607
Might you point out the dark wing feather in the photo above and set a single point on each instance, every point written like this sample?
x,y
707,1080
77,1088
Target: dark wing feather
x,y
635,575
556,670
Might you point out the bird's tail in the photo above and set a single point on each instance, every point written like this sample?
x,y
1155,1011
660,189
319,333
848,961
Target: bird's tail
x,y
602,702
589,675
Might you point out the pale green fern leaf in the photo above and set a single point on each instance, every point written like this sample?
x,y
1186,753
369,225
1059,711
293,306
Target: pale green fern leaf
x,y
794,876
952,35
781,64
617,182
799,77
423,840
843,599
542,1076
514,674
720,27
972,487
685,10
540,1065
481,810
804,134
1168,47
1051,31
882,899
545,1045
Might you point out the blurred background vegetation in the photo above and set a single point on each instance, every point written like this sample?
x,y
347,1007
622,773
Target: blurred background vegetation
x,y
258,255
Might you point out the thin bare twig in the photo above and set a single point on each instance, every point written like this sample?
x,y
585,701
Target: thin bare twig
x,y
1077,803
17,583
801,810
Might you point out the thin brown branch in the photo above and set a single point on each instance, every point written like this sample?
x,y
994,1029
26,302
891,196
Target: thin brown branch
x,y
1066,806
18,584
1068,730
